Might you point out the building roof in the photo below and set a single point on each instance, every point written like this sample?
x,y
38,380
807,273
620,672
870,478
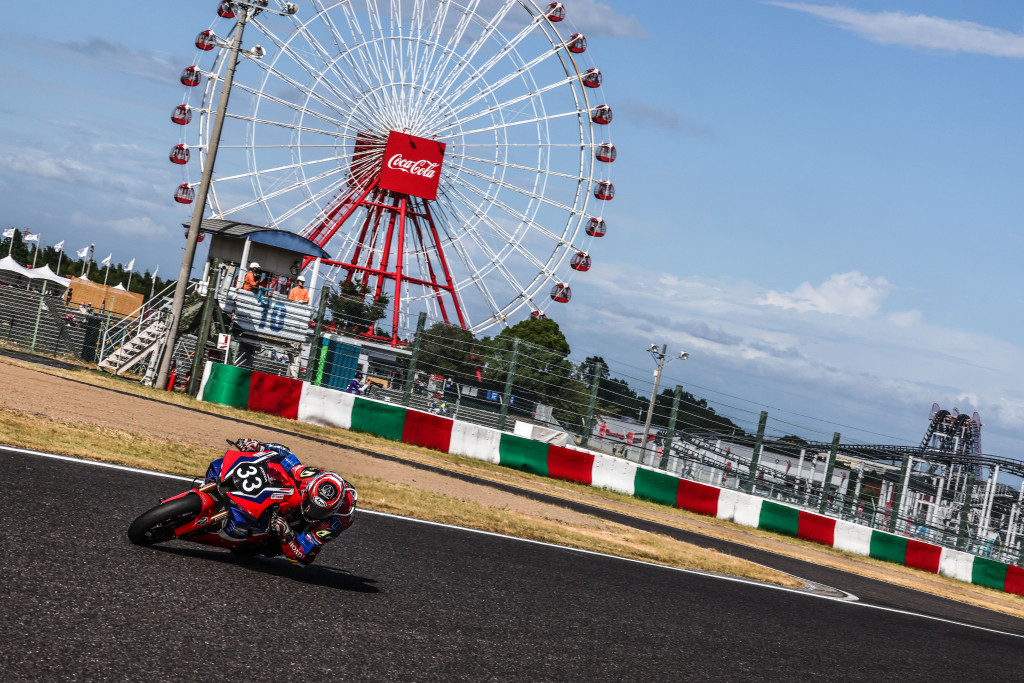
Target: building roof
x,y
282,239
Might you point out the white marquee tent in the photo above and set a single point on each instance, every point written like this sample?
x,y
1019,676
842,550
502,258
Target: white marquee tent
x,y
12,273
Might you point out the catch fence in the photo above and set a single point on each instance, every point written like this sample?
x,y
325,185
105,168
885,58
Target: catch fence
x,y
912,490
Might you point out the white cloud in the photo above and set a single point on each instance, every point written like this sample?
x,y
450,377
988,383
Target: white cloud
x,y
918,30
596,19
643,114
129,226
852,294
135,174
904,318
137,226
593,18
48,167
861,366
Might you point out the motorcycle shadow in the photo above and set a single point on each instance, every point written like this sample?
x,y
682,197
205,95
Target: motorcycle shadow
x,y
313,574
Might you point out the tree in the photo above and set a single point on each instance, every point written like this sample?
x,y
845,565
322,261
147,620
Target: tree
x,y
23,254
616,397
693,414
449,350
353,308
586,370
543,371
790,445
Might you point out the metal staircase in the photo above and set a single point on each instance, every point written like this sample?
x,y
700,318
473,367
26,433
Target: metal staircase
x,y
140,336
135,349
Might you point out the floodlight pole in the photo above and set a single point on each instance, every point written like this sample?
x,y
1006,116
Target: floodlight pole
x,y
654,393
654,396
200,207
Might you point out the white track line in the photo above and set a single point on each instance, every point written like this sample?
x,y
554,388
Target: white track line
x,y
850,599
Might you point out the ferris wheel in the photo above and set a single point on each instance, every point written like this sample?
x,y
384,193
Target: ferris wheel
x,y
452,156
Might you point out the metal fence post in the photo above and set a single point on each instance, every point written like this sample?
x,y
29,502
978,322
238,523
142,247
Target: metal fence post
x,y
410,374
826,484
39,315
589,424
313,372
850,507
897,504
666,446
507,395
103,339
204,329
961,533
756,456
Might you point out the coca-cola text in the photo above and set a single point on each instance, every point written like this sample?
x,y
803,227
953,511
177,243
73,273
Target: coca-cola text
x,y
420,167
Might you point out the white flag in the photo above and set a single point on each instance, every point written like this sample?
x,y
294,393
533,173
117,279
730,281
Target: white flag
x,y
83,252
32,238
106,261
130,265
9,233
59,246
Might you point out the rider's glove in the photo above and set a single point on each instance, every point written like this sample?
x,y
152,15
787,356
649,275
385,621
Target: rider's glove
x,y
279,526
248,445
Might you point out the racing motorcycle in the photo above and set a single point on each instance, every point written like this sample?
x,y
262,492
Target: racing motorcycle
x,y
233,497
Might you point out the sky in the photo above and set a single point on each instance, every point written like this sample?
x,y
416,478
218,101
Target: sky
x,y
818,202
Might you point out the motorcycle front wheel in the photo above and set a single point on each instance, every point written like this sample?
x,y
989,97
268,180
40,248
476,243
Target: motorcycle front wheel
x,y
159,523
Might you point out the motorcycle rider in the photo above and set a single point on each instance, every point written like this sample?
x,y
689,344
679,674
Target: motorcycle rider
x,y
322,508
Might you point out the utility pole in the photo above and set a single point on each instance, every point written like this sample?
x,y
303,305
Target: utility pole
x,y
660,357
246,10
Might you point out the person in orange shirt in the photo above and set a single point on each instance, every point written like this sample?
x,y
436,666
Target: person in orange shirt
x,y
299,292
250,277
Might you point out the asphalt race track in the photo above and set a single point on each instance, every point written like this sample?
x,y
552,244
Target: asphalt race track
x,y
396,599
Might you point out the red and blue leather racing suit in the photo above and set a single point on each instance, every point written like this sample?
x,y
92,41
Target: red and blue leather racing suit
x,y
306,537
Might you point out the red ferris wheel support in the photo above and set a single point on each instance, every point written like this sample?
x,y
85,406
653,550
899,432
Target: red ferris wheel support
x,y
394,183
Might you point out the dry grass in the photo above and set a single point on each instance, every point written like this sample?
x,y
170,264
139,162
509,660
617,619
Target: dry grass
x,y
121,447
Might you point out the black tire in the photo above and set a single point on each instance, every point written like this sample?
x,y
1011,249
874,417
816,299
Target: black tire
x,y
158,524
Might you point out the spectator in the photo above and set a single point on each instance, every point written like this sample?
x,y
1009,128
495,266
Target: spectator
x,y
355,385
251,281
299,292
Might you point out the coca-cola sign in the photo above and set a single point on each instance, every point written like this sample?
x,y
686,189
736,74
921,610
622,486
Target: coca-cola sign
x,y
412,165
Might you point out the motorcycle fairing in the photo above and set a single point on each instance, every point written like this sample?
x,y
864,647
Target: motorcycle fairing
x,y
252,482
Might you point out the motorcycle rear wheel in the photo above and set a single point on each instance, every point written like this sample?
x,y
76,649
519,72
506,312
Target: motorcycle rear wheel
x,y
158,524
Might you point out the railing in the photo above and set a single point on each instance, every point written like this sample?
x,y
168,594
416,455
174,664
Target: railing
x,y
45,325
128,340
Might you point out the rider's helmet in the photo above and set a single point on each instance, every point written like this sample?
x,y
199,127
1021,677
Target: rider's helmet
x,y
323,496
